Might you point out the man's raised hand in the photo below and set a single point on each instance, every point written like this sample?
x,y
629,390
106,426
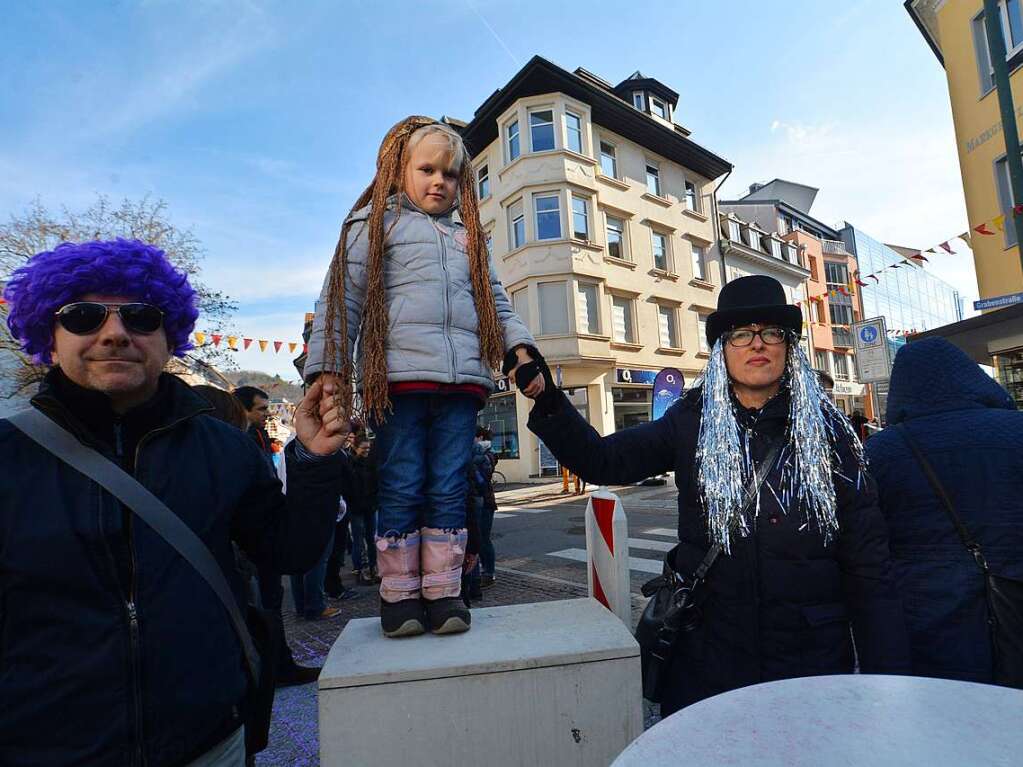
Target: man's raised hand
x,y
319,423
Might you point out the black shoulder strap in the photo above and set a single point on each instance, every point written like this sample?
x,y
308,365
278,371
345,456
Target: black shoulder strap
x,y
147,507
939,489
752,492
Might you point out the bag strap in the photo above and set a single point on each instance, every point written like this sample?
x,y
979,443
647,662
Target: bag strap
x,y
939,489
144,505
756,482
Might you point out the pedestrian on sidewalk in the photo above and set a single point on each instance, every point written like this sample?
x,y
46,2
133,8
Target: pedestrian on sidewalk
x,y
969,431
804,567
412,287
485,462
229,409
362,504
113,647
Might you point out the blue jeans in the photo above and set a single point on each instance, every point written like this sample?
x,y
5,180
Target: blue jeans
x,y
364,552
307,589
424,448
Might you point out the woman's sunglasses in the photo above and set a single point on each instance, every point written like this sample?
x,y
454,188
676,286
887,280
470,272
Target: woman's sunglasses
x,y
84,317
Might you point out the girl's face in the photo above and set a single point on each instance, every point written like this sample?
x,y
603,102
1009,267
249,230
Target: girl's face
x,y
430,181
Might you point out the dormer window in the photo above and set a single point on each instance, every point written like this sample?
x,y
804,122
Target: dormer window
x,y
637,101
658,108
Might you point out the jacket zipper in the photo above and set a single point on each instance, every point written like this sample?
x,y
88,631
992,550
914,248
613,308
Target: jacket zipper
x,y
755,541
447,308
132,604
134,632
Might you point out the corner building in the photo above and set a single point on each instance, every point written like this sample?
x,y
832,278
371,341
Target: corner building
x,y
600,214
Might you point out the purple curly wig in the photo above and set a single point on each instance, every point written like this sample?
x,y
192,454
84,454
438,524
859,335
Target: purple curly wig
x,y
115,267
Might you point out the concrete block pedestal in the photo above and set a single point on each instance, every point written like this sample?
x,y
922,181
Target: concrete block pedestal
x,y
552,683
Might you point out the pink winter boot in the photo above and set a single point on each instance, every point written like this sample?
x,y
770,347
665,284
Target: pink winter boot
x,y
401,610
443,552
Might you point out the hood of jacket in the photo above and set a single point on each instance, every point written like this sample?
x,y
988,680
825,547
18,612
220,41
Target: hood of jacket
x,y
933,376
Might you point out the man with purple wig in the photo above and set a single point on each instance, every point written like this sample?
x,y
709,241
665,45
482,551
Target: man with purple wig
x,y
113,649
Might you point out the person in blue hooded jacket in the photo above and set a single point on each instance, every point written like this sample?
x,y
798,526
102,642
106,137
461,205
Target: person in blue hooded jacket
x,y
969,430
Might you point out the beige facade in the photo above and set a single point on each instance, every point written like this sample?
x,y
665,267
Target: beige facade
x,y
608,252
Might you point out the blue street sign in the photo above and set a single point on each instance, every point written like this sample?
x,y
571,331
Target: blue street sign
x,y
998,301
868,334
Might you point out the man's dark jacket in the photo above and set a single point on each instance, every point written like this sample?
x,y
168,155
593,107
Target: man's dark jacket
x,y
781,604
971,433
79,682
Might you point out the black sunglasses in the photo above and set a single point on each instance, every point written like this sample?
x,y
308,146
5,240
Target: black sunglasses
x,y
84,317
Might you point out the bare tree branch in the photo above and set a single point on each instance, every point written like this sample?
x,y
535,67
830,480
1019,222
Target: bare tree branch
x,y
37,229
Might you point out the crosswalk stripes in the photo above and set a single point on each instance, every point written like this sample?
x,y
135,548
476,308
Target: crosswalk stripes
x,y
666,531
635,563
520,510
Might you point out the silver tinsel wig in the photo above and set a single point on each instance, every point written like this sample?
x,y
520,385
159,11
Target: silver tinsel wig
x,y
815,427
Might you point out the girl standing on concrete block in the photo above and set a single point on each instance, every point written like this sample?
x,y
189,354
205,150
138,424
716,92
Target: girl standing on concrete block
x,y
412,320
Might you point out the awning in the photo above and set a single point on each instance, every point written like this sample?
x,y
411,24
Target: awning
x,y
982,337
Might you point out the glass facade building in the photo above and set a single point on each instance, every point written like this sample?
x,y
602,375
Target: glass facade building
x,y
909,298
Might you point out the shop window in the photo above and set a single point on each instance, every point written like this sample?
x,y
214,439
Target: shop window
x,y
500,415
631,405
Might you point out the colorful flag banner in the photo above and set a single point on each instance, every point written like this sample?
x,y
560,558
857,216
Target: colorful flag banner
x,y
277,346
216,339
232,342
200,338
292,346
262,345
246,343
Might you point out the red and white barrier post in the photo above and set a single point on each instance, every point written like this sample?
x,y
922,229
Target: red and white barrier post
x,y
607,553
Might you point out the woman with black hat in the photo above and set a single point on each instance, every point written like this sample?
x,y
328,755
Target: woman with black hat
x,y
803,555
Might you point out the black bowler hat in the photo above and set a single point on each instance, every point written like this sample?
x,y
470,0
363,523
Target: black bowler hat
x,y
754,299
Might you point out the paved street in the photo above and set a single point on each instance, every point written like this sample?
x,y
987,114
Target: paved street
x,y
541,548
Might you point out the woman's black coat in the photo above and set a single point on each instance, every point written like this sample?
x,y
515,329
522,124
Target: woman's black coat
x,y
781,605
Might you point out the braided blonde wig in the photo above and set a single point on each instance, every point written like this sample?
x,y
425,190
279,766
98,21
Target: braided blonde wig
x,y
389,180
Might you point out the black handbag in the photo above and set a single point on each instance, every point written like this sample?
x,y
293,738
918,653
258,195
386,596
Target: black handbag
x,y
675,605
254,631
1004,596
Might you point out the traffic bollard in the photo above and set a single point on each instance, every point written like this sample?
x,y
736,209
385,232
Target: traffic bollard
x,y
607,553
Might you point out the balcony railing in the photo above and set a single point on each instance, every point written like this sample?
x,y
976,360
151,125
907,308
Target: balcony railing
x,y
836,247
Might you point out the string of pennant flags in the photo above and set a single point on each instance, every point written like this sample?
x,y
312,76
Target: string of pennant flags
x,y
204,339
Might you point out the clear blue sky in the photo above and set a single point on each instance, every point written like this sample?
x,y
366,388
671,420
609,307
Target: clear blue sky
x,y
258,122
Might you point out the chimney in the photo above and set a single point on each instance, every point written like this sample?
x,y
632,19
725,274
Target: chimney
x,y
755,187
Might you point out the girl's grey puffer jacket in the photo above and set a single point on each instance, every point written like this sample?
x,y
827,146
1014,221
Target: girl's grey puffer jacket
x,y
433,329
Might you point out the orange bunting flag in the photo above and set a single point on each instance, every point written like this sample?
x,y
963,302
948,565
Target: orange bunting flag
x,y
200,338
262,344
232,342
292,346
946,247
246,343
277,346
982,229
216,339
999,221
